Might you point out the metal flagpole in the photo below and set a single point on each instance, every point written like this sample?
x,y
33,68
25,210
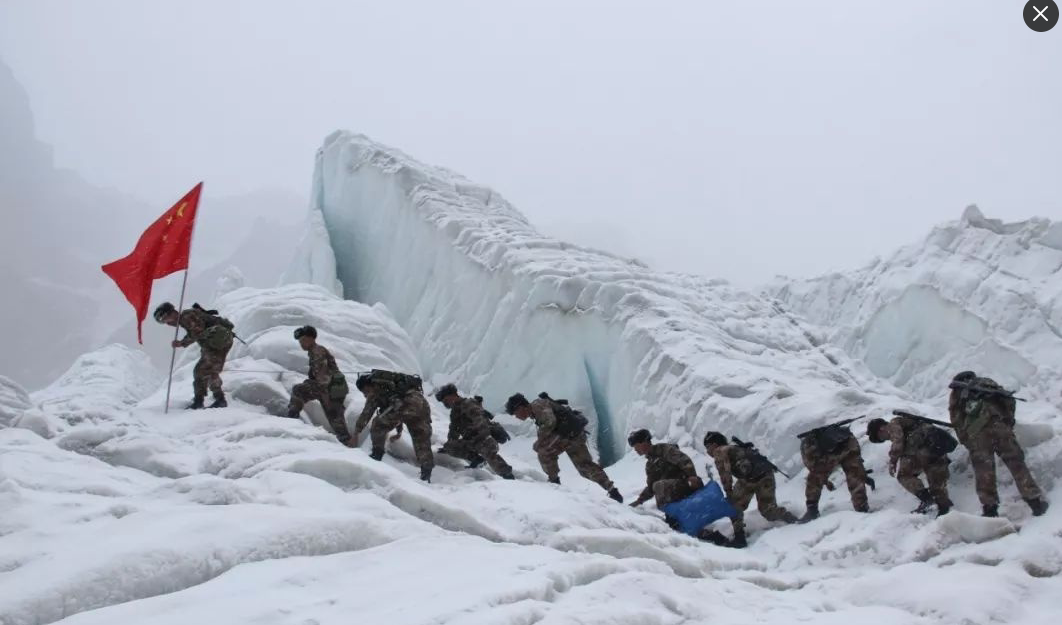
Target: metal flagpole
x,y
180,302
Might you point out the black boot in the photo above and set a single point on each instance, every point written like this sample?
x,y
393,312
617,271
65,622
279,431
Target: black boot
x,y
863,507
554,480
1039,506
739,541
197,403
292,413
811,514
990,511
508,476
943,508
376,454
713,536
425,474
476,461
219,401
789,517
615,494
925,502
672,522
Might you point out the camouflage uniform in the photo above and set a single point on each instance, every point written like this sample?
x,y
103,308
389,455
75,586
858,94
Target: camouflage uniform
x,y
409,409
910,459
549,446
318,386
667,474
739,492
820,466
469,435
207,372
989,435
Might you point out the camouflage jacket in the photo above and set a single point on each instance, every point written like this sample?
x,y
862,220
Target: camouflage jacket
x,y
726,458
969,415
468,420
542,413
195,323
899,432
665,461
322,366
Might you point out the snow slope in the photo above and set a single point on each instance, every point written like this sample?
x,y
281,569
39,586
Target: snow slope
x,y
974,294
489,301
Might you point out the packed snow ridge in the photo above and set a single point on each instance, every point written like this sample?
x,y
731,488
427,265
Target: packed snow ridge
x,y
975,294
500,308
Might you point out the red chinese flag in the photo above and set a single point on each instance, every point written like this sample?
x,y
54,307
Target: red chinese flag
x,y
162,249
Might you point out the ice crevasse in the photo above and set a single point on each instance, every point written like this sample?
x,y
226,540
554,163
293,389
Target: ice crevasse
x,y
488,300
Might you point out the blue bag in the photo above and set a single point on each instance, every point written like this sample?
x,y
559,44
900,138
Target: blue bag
x,y
701,508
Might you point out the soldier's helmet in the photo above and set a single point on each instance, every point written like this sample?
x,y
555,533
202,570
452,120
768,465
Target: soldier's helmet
x,y
445,391
515,402
714,438
639,436
309,331
165,308
874,430
365,379
962,379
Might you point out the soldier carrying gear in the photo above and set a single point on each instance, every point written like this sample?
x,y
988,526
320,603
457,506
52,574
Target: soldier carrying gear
x,y
982,412
669,474
745,473
399,400
214,336
914,451
823,450
324,383
470,433
560,430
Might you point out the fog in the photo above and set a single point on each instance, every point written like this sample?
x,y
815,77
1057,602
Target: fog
x,y
734,141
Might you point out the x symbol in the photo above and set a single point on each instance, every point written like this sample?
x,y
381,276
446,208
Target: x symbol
x,y
1040,13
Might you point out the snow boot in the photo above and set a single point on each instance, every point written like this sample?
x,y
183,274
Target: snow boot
x,y
425,474
197,403
926,502
811,514
555,480
615,494
789,517
990,511
219,401
476,461
1039,506
739,541
292,413
377,454
942,509
508,476
712,536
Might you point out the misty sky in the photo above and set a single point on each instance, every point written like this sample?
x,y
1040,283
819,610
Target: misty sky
x,y
730,139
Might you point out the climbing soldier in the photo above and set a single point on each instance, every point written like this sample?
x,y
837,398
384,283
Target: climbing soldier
x,y
669,474
825,448
983,415
745,473
560,430
324,383
917,446
214,335
399,398
470,432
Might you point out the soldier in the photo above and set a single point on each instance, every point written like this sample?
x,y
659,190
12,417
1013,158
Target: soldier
x,y
983,415
469,436
744,473
405,407
214,335
669,474
324,383
557,434
823,451
910,455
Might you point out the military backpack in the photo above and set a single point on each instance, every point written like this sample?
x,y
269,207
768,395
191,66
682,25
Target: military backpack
x,y
748,463
219,330
829,440
981,408
935,441
393,385
497,432
570,422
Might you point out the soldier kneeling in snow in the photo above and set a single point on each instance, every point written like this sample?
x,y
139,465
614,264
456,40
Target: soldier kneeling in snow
x,y
470,437
324,383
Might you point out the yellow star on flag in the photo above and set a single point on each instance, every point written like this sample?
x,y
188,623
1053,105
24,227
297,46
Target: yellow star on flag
x,y
180,209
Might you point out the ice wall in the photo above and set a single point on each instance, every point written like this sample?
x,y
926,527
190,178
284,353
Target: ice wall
x,y
491,302
975,294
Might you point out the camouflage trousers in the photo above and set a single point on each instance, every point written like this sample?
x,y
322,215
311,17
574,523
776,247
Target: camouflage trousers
x,y
311,390
207,372
670,491
550,450
910,468
411,410
763,489
997,439
484,446
820,467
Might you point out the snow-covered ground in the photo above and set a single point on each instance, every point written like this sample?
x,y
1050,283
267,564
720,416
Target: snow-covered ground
x,y
113,512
